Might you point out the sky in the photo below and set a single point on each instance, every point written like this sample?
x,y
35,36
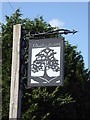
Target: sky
x,y
68,15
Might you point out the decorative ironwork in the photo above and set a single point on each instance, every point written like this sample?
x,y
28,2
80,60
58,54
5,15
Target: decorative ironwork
x,y
52,32
45,59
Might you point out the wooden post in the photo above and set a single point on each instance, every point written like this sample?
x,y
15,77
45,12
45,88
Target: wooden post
x,y
15,93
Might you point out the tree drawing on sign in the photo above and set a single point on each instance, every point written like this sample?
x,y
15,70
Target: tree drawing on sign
x,y
44,61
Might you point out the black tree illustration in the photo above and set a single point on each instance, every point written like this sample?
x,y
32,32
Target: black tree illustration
x,y
44,61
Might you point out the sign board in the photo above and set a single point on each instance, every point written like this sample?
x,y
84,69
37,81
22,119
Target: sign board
x,y
46,62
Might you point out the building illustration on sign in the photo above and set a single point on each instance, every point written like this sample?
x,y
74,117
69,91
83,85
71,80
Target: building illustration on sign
x,y
45,62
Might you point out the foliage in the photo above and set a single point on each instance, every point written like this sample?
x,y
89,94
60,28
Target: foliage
x,y
46,103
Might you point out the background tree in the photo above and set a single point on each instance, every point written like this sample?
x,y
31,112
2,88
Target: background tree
x,y
47,103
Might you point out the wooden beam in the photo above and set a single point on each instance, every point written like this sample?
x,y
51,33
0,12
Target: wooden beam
x,y
15,92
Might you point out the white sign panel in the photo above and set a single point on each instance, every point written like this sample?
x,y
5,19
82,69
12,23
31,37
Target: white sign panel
x,y
45,67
